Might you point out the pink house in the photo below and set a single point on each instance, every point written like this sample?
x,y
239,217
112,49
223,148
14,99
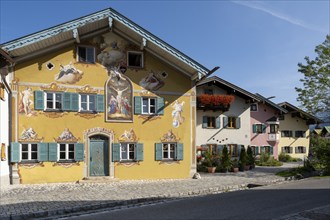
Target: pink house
x,y
265,134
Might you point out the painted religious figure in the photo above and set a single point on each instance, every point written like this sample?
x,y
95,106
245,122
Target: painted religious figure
x,y
119,97
153,81
68,74
25,102
176,113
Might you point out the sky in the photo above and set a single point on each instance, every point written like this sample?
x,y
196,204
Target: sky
x,y
257,44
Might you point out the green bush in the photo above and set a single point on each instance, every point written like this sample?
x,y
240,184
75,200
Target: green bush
x,y
242,159
267,160
250,157
283,157
320,148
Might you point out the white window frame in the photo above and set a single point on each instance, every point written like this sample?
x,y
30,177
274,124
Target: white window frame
x,y
254,148
136,53
88,103
169,151
149,106
66,151
304,150
53,100
232,122
86,48
303,134
288,147
29,151
276,128
211,122
256,105
127,146
231,148
257,128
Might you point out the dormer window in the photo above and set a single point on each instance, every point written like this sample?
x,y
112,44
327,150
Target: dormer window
x,y
254,107
135,59
86,54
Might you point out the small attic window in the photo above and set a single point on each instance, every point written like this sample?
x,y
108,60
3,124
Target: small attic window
x,y
164,74
86,54
50,66
135,59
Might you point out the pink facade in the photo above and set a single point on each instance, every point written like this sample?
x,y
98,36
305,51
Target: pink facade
x,y
262,136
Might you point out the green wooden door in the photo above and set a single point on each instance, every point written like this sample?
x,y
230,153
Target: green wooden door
x,y
99,158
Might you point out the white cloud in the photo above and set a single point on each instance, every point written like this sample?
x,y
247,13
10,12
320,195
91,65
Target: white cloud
x,y
265,8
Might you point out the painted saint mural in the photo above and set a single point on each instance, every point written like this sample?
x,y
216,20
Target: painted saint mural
x,y
119,97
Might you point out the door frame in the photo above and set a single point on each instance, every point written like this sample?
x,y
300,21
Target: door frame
x,y
109,134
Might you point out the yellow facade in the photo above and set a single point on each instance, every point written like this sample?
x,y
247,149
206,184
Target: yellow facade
x,y
294,124
35,75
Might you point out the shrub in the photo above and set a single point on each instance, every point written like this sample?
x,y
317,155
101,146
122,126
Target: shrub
x,y
267,160
242,159
283,157
320,148
250,157
224,159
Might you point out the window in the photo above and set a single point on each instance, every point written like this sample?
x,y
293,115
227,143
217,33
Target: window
x,y
281,117
300,150
231,122
127,151
233,149
255,150
66,152
299,133
273,128
287,150
259,128
29,152
286,133
267,149
208,91
213,149
254,107
211,122
148,105
53,101
87,102
168,151
86,54
135,59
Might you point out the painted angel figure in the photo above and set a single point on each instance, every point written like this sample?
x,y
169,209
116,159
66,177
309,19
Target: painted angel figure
x,y
176,113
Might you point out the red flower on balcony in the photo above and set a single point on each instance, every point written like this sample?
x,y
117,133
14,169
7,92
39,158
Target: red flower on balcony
x,y
215,100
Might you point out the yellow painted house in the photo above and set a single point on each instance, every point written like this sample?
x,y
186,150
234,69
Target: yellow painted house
x,y
294,129
100,96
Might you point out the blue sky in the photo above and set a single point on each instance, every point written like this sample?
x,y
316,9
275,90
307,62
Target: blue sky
x,y
257,44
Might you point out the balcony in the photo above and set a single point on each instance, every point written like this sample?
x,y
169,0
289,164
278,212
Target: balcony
x,y
214,102
273,137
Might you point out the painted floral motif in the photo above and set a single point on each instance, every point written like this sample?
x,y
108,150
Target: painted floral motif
x,y
128,136
176,113
25,102
68,74
66,136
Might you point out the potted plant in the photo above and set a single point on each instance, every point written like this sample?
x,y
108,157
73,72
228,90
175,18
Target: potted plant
x,y
250,157
242,159
225,160
235,165
210,162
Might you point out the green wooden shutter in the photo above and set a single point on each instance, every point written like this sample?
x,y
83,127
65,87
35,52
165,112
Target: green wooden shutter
x,y
158,151
52,150
217,122
225,121
139,151
262,149
160,106
115,152
271,150
79,151
39,100
238,122
254,128
43,152
204,125
15,151
239,149
138,105
219,149
74,102
257,150
179,151
100,103
66,101
264,128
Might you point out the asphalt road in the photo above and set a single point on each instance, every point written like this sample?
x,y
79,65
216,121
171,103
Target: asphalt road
x,y
258,203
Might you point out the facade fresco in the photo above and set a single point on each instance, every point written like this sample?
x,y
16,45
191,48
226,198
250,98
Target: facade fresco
x,y
153,81
178,119
68,74
25,102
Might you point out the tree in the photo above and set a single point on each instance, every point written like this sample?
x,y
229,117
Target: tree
x,y
315,94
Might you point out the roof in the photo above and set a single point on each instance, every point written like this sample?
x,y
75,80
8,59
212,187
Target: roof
x,y
326,129
97,23
270,103
292,109
229,87
317,131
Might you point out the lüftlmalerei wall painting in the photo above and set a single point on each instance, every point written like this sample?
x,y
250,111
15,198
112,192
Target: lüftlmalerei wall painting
x,y
119,96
